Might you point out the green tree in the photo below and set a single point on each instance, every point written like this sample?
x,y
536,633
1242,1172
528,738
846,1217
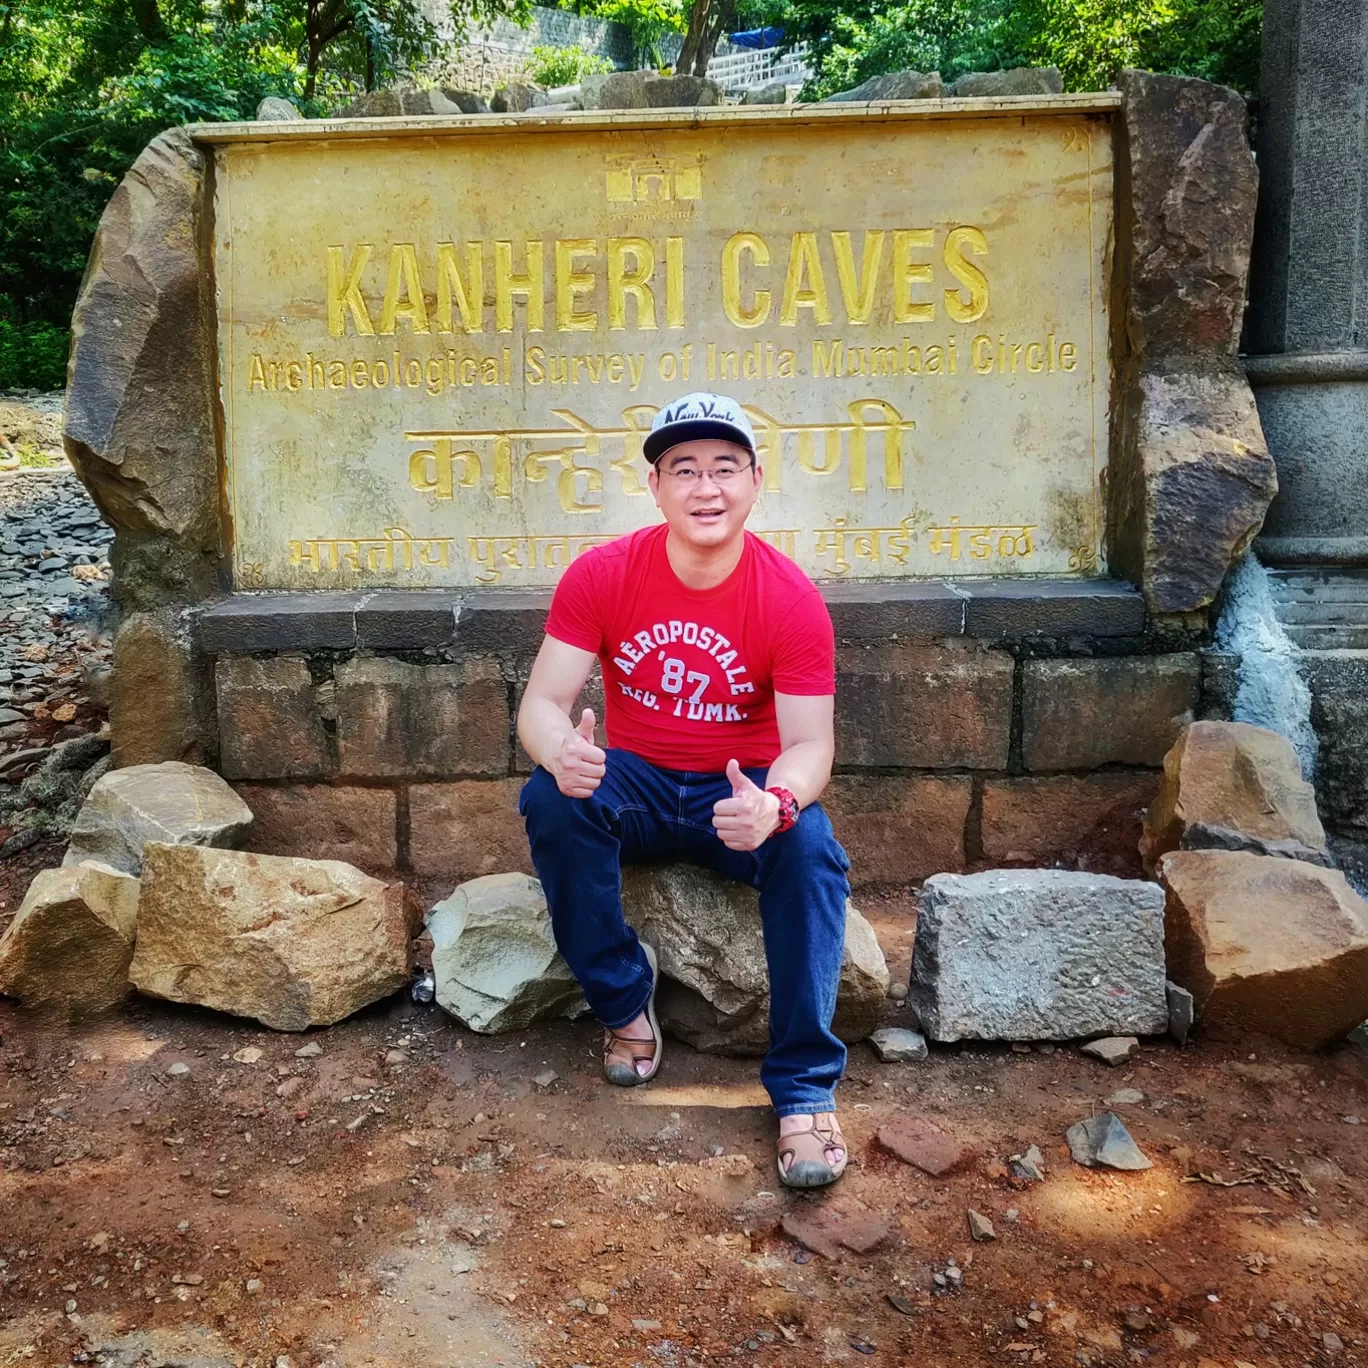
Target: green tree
x,y
86,84
1088,40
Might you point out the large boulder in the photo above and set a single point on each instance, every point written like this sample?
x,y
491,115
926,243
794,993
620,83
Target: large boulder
x,y
1231,786
682,92
494,956
1269,945
408,101
1016,81
893,85
465,101
775,93
615,90
173,803
514,98
140,419
1038,954
292,943
708,938
1192,476
275,109
71,941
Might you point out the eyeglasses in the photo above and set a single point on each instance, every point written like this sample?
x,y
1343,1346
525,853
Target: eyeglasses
x,y
719,475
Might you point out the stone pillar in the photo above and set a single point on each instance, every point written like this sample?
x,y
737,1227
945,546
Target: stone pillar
x,y
1307,335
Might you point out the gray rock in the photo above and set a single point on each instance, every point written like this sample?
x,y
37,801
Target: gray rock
x,y
1103,1142
1182,1011
1030,1165
140,416
1126,1097
980,1227
897,1045
1359,1035
893,85
1193,479
1038,954
467,101
571,96
1016,81
494,957
274,109
776,93
615,90
1113,1050
715,992
514,98
682,92
171,803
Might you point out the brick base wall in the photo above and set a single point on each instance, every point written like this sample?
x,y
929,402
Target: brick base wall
x,y
977,724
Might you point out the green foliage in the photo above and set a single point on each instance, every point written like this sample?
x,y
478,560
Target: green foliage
x,y
32,355
1091,40
647,20
562,66
1088,40
85,85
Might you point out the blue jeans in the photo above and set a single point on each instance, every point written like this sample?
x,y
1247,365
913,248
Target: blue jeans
x,y
639,814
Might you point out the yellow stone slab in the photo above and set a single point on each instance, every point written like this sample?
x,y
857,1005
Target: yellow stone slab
x,y
441,341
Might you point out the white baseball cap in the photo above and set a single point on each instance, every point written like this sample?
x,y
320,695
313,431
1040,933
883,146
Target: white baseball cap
x,y
696,416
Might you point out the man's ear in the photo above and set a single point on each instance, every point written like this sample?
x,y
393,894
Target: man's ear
x,y
653,482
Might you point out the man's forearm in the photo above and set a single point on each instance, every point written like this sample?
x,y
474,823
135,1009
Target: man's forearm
x,y
542,728
803,769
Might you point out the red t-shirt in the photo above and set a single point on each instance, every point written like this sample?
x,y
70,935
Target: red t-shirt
x,y
689,675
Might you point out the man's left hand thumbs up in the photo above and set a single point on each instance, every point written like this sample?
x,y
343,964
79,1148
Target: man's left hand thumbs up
x,y
748,817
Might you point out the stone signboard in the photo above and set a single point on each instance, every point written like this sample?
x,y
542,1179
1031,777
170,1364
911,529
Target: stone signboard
x,y
439,348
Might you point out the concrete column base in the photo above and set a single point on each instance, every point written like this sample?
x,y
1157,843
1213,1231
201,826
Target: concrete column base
x,y
1314,411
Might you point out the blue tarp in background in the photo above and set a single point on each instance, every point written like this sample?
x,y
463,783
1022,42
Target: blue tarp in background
x,y
758,38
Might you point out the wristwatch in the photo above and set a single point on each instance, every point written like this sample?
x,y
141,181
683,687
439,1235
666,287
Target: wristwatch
x,y
788,809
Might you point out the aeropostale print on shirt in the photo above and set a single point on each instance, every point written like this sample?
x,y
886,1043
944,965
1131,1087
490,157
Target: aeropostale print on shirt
x,y
690,675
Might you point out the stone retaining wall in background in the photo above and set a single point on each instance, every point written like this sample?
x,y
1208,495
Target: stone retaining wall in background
x,y
496,55
977,723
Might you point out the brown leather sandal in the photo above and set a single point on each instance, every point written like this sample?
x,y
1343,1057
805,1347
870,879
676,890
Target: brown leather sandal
x,y
624,1073
805,1150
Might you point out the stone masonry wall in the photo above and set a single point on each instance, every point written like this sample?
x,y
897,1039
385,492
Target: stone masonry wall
x,y
494,56
977,723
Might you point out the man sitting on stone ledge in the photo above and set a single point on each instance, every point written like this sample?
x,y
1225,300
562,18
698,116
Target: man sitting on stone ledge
x,y
719,678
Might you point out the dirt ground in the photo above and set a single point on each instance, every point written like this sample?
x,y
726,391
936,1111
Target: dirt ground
x,y
413,1195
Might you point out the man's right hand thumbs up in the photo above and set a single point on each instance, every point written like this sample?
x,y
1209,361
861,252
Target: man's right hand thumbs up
x,y
580,764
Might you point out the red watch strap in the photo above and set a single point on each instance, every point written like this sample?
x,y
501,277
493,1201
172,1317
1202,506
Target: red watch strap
x,y
788,808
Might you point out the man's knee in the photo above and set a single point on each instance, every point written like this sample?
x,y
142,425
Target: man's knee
x,y
812,842
541,801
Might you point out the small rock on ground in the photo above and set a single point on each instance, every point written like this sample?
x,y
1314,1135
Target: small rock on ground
x,y
1113,1050
1030,1166
980,1227
1102,1141
1126,1097
1182,1011
898,1045
924,1145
